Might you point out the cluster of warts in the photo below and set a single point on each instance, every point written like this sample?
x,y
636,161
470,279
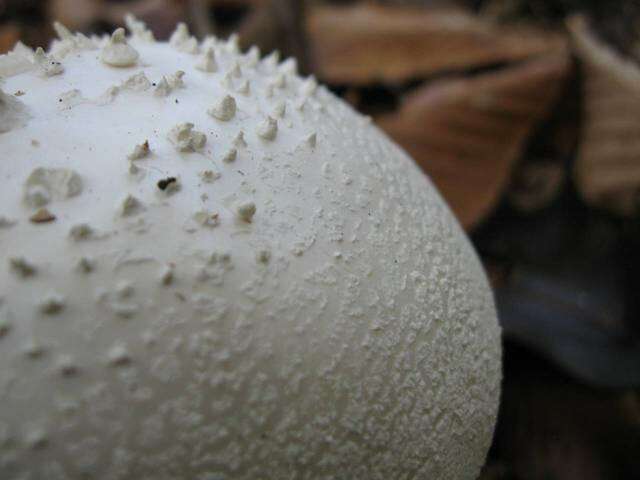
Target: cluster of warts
x,y
118,53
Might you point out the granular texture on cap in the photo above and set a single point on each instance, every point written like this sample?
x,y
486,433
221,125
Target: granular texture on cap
x,y
232,275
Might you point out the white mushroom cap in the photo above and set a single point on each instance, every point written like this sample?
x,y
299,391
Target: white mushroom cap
x,y
308,310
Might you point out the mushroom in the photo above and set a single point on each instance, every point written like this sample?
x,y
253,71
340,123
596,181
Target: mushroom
x,y
335,323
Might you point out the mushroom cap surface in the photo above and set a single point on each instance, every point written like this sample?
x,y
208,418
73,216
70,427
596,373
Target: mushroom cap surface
x,y
274,291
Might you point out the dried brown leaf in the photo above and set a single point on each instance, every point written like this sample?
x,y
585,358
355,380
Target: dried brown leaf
x,y
81,15
366,43
9,35
75,14
467,133
607,170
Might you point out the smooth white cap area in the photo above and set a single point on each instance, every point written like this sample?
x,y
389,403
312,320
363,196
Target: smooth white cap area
x,y
230,296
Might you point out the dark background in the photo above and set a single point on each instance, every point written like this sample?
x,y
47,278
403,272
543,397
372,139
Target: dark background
x,y
526,114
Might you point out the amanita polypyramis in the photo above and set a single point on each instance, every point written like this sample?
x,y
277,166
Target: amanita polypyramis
x,y
212,268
